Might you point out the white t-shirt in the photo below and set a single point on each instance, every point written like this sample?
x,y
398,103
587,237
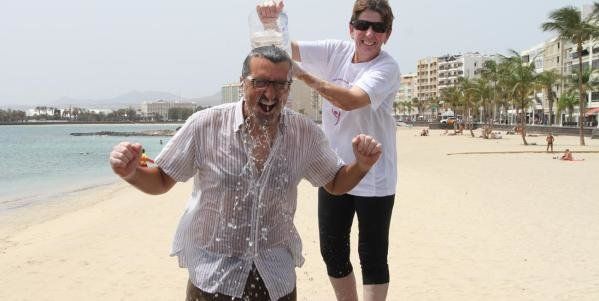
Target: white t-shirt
x,y
331,60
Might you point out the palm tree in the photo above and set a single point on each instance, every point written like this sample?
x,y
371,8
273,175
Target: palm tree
x,y
483,92
503,88
396,106
408,106
521,78
468,100
570,25
421,104
453,96
490,72
546,80
589,80
405,106
566,102
433,104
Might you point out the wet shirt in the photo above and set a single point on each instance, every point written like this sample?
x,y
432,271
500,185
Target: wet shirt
x,y
238,215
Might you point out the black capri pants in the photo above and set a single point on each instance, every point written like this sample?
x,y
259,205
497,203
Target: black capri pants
x,y
335,217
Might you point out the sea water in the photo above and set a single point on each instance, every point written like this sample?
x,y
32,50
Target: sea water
x,y
38,162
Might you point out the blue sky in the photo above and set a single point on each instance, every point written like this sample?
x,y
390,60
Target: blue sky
x,y
100,49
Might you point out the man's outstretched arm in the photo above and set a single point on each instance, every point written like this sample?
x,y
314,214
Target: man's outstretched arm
x,y
367,152
124,160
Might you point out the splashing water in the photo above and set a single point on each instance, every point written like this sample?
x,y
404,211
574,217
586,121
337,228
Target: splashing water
x,y
263,180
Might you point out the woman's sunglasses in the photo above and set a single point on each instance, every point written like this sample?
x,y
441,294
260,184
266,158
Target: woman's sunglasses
x,y
362,25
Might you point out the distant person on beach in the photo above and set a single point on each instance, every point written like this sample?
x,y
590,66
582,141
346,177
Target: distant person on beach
x,y
567,155
358,81
461,127
550,140
237,238
424,132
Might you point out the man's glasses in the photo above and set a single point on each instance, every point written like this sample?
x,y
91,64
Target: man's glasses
x,y
262,84
362,25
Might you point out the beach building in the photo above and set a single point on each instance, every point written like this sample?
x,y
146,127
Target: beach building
x,y
160,108
426,78
43,111
426,86
406,93
437,73
590,59
407,87
105,111
451,67
534,114
554,53
230,92
305,100
561,56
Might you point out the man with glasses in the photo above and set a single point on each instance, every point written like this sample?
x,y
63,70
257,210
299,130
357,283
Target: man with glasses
x,y
359,82
237,237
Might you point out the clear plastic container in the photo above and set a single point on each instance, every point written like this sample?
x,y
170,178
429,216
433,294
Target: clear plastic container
x,y
269,34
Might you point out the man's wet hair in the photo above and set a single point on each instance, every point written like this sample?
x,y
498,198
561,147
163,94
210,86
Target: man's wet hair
x,y
271,53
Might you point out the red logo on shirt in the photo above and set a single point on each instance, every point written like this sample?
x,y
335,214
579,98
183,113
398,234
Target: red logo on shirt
x,y
336,114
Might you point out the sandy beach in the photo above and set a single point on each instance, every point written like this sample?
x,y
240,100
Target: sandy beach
x,y
507,223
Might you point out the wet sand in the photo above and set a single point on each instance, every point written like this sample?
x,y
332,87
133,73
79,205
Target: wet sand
x,y
508,223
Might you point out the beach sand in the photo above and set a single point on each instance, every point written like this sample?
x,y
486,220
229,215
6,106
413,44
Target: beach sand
x,y
492,226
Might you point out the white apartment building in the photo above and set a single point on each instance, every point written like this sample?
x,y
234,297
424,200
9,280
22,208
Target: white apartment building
x,y
590,59
305,100
451,67
562,57
535,56
437,73
426,79
160,108
230,92
407,87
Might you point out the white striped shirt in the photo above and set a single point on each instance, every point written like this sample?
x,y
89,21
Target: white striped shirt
x,y
237,216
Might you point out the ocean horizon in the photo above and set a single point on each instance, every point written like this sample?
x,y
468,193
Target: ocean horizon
x,y
43,162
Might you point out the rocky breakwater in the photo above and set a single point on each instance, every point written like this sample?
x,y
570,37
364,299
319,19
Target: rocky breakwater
x,y
154,133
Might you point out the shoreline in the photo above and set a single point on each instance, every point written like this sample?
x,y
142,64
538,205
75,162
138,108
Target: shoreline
x,y
41,208
14,201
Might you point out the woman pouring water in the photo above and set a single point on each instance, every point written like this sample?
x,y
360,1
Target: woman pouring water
x,y
359,82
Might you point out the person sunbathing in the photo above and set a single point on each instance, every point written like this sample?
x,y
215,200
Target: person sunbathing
x,y
567,155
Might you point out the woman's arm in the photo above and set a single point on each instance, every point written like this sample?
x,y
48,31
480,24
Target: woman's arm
x,y
347,99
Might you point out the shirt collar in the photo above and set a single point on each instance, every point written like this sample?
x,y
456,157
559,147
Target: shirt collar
x,y
239,114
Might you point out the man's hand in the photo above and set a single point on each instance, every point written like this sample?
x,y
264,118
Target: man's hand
x,y
269,11
367,151
124,159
